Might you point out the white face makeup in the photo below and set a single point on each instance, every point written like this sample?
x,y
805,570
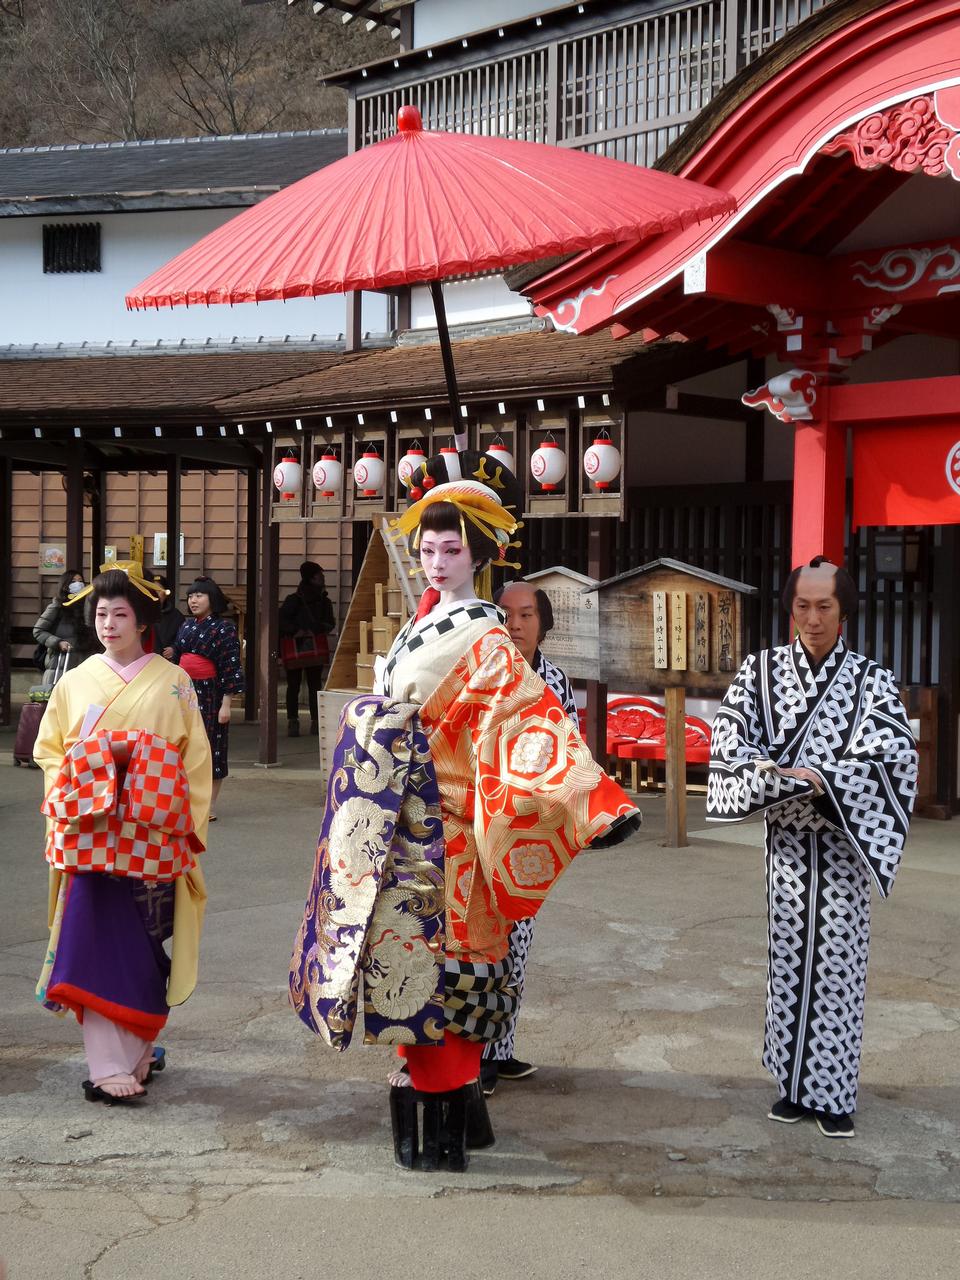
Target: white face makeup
x,y
447,564
118,630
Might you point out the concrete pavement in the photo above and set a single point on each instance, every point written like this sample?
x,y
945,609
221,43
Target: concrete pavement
x,y
639,1148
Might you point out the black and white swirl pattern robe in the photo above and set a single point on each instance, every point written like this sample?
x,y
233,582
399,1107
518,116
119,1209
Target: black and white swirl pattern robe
x,y
844,719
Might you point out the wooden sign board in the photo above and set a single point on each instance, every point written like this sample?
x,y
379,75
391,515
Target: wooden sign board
x,y
670,625
701,631
660,652
678,630
574,642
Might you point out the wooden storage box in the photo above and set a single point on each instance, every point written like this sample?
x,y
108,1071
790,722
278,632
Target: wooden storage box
x,y
330,703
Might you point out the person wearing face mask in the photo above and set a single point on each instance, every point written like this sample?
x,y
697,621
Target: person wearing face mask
x,y
63,633
458,794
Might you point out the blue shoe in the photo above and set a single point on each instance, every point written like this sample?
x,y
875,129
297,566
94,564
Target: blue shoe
x,y
158,1064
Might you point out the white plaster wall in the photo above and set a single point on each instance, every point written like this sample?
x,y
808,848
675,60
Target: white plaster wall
x,y
437,20
469,302
89,306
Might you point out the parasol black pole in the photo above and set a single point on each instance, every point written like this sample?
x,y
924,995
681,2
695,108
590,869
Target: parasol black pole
x,y
449,372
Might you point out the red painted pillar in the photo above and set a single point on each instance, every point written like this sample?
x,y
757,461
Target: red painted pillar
x,y
819,488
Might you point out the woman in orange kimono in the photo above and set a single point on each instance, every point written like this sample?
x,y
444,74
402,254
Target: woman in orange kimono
x,y
458,795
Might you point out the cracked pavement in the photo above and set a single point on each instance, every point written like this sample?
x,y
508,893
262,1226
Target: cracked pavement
x,y
640,1146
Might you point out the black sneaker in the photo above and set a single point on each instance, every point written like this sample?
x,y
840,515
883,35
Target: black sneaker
x,y
832,1126
787,1112
512,1069
489,1069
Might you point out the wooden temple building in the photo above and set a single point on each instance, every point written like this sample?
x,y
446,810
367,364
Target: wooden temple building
x,y
779,382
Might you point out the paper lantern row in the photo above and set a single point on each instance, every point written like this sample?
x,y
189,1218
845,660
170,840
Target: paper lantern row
x,y
368,475
548,466
601,463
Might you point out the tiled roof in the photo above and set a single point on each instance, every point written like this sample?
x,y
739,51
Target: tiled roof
x,y
230,170
226,387
510,364
115,389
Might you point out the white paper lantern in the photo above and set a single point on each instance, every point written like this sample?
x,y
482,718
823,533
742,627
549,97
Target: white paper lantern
x,y
548,465
368,474
451,458
601,462
409,463
503,455
328,475
288,477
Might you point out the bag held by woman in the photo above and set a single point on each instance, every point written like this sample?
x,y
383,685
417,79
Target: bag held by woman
x,y
304,651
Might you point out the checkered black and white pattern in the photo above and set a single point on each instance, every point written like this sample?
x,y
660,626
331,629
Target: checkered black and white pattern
x,y
843,719
521,936
480,999
414,635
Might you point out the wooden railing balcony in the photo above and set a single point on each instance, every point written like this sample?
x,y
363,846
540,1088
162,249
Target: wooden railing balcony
x,y
626,91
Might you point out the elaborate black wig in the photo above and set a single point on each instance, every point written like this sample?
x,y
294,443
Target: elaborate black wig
x,y
444,517
113,584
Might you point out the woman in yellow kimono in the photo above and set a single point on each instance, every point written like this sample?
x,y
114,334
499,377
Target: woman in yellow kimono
x,y
123,725
458,795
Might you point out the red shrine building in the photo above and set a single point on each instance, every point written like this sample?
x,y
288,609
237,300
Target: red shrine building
x,y
840,274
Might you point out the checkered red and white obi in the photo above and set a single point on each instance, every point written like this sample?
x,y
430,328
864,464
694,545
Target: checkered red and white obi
x,y
121,804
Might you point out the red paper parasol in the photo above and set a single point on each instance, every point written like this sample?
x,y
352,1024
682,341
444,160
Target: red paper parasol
x,y
421,206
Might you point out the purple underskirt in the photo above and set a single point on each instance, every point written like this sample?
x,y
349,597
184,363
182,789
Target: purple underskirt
x,y
110,955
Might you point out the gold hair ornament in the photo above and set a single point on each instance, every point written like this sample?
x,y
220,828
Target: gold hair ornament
x,y
134,571
486,513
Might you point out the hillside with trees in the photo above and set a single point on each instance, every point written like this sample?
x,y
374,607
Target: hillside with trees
x,y
107,70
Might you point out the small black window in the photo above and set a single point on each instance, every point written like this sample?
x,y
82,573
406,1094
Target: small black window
x,y
71,246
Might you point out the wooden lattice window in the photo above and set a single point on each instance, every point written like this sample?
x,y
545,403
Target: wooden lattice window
x,y
70,247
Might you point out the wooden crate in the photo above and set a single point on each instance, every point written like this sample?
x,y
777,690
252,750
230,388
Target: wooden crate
x,y
330,702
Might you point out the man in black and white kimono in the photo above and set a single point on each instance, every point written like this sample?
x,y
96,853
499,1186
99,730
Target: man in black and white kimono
x,y
529,616
816,738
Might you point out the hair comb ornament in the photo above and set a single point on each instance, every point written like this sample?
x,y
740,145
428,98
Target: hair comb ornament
x,y
134,571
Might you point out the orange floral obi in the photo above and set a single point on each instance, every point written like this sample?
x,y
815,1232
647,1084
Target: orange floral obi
x,y
121,804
